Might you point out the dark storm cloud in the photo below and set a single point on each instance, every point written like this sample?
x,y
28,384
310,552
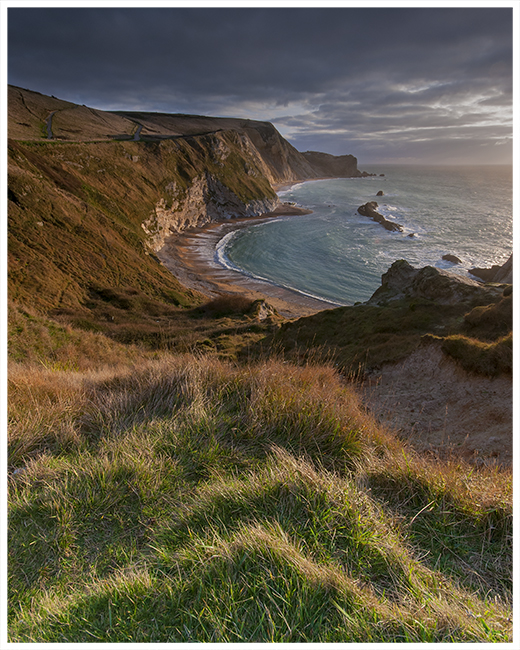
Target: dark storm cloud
x,y
344,77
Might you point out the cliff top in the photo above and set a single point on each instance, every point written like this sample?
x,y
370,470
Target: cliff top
x,y
34,116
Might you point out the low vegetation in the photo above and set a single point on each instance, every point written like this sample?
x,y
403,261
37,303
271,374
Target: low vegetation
x,y
365,337
196,486
476,356
186,498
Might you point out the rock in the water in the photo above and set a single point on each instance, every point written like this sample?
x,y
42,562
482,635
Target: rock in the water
x,y
496,273
452,258
380,193
404,281
369,210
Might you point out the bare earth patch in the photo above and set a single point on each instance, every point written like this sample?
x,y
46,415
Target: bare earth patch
x,y
439,407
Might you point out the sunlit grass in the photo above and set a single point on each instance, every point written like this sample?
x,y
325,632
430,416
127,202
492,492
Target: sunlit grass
x,y
190,499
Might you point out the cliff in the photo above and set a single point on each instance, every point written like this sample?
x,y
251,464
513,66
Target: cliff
x,y
33,117
326,165
92,194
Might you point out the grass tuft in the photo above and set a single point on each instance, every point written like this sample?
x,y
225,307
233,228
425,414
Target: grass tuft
x,y
476,356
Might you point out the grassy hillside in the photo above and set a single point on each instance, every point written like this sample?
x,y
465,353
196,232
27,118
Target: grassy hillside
x,y
364,337
186,499
191,470
75,215
29,111
33,117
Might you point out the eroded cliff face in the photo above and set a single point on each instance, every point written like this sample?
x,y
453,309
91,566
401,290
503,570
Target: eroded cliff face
x,y
234,182
281,161
326,165
203,168
207,200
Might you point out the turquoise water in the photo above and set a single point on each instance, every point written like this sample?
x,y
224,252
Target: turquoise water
x,y
337,255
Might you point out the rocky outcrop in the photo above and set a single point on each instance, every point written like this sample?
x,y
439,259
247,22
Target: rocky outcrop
x,y
207,200
369,210
451,258
380,193
443,287
497,273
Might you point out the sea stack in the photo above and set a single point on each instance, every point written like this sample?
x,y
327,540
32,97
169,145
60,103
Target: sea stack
x,y
369,210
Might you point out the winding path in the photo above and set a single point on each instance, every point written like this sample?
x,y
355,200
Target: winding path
x,y
49,126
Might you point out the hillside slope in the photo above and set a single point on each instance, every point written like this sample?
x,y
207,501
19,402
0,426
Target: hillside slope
x,y
92,194
33,116
184,499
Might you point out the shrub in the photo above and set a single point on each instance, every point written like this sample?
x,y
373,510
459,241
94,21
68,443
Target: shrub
x,y
489,359
227,304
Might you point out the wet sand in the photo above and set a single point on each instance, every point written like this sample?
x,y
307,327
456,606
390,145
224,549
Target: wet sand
x,y
190,256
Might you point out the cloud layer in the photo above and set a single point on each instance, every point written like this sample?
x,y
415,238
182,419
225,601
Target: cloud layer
x,y
401,84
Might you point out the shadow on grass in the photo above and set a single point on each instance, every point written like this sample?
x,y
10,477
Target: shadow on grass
x,y
471,544
242,592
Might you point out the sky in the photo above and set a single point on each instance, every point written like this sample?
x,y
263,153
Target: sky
x,y
413,84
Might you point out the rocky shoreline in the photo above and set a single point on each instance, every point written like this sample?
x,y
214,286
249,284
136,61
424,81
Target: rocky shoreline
x,y
189,254
496,273
430,283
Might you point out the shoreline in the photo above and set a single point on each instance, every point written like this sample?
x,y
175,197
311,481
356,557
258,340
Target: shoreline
x,y
190,257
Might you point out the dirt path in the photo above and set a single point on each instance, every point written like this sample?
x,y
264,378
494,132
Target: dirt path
x,y
137,134
49,126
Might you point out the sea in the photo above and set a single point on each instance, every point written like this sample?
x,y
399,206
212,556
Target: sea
x,y
337,255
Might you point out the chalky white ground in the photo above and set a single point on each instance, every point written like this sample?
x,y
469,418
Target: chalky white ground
x,y
439,407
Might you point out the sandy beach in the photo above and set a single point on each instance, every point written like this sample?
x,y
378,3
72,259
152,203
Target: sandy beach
x,y
190,256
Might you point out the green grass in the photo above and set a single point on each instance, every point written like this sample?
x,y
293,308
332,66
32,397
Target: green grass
x,y
39,340
482,358
365,337
190,499
76,214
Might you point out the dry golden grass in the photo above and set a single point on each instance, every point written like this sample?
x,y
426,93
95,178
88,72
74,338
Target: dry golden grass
x,y
240,503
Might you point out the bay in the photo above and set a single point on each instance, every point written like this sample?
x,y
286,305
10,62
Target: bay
x,y
338,255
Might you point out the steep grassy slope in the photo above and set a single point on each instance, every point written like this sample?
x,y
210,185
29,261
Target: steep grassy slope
x,y
33,116
279,160
76,214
